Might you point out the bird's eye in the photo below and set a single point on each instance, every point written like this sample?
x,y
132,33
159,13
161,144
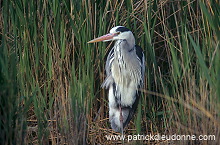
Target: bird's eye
x,y
118,32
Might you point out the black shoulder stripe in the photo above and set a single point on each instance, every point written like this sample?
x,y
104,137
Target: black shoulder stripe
x,y
139,52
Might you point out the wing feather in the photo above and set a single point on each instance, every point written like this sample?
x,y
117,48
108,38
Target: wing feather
x,y
109,79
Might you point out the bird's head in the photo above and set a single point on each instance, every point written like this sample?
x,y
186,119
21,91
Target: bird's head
x,y
116,33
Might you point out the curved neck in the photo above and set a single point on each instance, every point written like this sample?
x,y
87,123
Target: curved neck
x,y
131,41
128,36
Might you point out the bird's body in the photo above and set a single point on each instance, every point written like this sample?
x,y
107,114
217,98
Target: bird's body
x,y
125,76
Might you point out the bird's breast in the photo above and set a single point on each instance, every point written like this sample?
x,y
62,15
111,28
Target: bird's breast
x,y
126,83
126,70
120,74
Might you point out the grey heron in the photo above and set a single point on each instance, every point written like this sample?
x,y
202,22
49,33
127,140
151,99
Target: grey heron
x,y
125,68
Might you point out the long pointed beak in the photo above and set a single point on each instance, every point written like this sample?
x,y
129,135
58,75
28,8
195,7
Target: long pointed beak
x,y
104,38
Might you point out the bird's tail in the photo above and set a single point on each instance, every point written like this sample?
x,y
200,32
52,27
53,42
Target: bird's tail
x,y
127,113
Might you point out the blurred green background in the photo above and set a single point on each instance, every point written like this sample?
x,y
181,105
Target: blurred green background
x,y
50,77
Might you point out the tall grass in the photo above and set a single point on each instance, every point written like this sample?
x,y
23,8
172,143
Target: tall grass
x,y
50,77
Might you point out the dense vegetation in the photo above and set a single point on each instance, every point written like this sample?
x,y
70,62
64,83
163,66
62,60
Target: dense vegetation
x,y
50,77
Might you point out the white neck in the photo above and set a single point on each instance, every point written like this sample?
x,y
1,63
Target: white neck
x,y
128,36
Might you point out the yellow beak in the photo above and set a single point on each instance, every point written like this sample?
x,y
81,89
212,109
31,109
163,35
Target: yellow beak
x,y
104,38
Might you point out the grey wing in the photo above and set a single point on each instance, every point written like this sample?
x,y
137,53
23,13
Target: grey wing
x,y
141,58
109,80
143,68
